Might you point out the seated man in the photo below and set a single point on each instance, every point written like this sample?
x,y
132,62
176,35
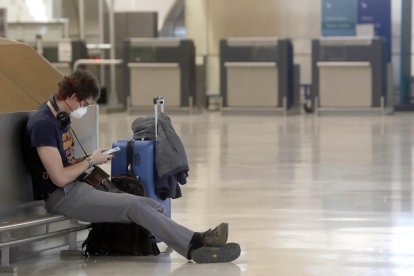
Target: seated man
x,y
49,148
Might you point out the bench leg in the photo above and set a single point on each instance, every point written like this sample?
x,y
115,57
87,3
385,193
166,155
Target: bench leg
x,y
5,256
72,240
5,261
72,251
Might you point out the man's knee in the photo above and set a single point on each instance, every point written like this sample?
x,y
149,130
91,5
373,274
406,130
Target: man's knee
x,y
161,209
152,203
156,205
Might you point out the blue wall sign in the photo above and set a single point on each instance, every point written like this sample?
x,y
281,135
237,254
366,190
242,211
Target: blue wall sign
x,y
378,13
339,17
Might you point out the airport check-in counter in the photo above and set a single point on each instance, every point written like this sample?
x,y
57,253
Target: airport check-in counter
x,y
159,67
257,74
350,75
63,54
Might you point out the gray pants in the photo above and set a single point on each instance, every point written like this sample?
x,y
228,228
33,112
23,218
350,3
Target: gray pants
x,y
81,201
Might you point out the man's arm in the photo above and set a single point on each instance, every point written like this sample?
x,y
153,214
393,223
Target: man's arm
x,y
77,160
61,175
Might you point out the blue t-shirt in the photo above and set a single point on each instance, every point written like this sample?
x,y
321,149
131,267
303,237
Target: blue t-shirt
x,y
44,129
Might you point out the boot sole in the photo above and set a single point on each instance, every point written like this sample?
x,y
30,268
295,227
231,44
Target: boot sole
x,y
223,254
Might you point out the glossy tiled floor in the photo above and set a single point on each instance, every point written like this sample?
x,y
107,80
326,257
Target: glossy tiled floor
x,y
304,195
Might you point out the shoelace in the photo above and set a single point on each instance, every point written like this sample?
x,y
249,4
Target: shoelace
x,y
210,234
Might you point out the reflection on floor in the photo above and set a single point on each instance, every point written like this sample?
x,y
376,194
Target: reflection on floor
x,y
304,195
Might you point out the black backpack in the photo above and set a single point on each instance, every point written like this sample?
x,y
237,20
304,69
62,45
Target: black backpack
x,y
121,238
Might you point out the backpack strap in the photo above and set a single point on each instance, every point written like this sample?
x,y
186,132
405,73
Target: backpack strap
x,y
155,249
85,251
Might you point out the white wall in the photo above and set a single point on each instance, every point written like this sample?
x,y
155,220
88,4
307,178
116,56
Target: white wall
x,y
161,6
18,10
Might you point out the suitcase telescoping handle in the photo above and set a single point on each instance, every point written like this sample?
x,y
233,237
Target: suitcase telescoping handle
x,y
158,101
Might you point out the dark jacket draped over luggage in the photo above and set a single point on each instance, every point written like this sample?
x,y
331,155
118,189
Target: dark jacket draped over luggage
x,y
170,157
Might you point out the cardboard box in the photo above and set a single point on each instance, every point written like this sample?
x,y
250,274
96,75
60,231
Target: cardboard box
x,y
26,78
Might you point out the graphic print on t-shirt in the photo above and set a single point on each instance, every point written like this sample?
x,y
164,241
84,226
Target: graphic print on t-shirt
x,y
68,146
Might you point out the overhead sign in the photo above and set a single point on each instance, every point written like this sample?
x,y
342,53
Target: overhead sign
x,y
339,17
377,13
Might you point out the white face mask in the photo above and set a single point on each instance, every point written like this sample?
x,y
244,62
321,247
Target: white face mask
x,y
79,113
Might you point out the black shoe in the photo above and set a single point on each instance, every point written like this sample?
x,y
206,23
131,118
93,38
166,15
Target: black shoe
x,y
223,254
216,237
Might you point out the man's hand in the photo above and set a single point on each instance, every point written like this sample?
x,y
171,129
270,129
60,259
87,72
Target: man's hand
x,y
98,157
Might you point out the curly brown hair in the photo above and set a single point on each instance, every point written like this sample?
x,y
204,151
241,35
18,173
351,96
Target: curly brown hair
x,y
82,83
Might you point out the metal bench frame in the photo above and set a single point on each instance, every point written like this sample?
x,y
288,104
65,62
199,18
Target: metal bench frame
x,y
6,242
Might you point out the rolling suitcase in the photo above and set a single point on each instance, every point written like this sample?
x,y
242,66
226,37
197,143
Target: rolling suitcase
x,y
138,158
